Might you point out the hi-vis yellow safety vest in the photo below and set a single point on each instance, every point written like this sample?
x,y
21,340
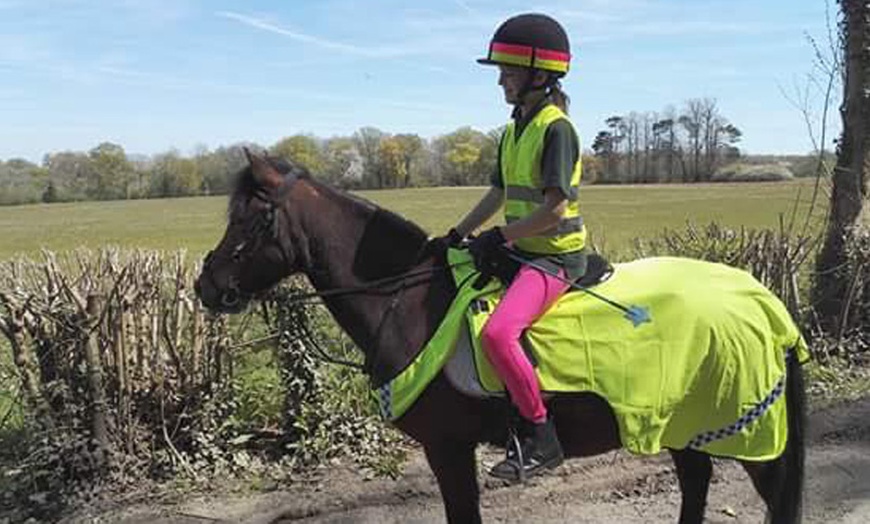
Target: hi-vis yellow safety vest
x,y
521,176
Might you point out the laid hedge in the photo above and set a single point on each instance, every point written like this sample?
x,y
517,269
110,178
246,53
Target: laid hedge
x,y
120,378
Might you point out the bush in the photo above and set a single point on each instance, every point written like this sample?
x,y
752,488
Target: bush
x,y
808,166
738,172
19,195
856,272
329,410
775,258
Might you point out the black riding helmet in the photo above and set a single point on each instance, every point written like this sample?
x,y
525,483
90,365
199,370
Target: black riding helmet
x,y
534,41
530,40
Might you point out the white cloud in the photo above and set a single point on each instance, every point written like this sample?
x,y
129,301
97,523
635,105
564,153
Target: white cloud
x,y
167,82
606,20
36,54
23,49
9,94
465,7
421,43
371,52
157,81
155,11
697,27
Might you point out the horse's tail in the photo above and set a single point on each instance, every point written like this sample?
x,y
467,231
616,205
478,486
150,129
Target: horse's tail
x,y
791,498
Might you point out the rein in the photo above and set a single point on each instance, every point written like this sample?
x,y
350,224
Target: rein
x,y
367,288
315,297
374,287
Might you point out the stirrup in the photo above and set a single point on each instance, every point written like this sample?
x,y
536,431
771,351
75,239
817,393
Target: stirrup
x,y
518,455
513,458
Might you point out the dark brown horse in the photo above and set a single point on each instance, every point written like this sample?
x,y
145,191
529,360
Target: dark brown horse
x,y
388,288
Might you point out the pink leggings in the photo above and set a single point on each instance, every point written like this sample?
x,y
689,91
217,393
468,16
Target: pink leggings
x,y
528,297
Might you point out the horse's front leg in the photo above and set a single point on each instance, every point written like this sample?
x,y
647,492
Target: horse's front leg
x,y
455,467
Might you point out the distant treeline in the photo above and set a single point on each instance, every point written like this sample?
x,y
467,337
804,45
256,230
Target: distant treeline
x,y
691,145
694,144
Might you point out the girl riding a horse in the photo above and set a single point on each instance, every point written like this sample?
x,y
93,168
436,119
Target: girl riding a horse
x,y
537,182
728,381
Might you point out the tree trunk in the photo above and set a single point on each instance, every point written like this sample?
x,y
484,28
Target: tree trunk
x,y
849,207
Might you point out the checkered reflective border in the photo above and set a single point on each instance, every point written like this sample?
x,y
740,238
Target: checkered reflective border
x,y
748,418
385,400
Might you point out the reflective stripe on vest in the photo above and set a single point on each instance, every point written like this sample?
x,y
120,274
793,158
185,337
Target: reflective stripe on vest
x,y
524,191
530,194
566,225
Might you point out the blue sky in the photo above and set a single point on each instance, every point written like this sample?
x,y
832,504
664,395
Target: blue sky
x,y
156,74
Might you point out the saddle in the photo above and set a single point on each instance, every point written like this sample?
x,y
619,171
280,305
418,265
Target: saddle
x,y
598,269
505,267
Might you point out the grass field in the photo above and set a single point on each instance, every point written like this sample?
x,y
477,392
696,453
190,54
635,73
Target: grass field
x,y
614,215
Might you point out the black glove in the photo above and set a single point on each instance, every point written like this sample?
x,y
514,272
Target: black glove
x,y
451,239
484,248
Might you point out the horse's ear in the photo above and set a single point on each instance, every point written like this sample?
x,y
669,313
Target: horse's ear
x,y
264,173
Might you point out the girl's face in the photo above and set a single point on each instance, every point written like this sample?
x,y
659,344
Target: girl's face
x,y
512,79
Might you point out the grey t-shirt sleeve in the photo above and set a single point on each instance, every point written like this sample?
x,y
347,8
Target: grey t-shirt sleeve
x,y
560,154
495,179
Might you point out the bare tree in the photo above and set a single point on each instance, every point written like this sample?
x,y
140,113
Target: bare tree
x,y
691,120
666,142
849,208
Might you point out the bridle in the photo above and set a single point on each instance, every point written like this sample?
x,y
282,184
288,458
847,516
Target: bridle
x,y
266,226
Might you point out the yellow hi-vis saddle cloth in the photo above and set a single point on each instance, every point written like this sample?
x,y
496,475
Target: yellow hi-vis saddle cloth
x,y
708,371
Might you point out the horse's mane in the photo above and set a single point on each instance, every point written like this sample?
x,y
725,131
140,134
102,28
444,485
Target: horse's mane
x,y
390,243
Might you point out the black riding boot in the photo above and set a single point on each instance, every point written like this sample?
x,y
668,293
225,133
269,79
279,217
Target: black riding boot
x,y
534,449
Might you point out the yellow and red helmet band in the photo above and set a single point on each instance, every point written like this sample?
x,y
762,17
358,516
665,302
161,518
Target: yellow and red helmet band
x,y
523,55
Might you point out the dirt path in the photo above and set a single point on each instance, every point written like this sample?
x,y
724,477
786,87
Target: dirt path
x,y
612,488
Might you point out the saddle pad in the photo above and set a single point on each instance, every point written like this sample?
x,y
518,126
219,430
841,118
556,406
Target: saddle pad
x,y
707,372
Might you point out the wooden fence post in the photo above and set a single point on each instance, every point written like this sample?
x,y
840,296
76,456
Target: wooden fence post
x,y
99,416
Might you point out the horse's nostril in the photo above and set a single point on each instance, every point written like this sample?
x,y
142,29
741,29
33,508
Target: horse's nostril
x,y
230,299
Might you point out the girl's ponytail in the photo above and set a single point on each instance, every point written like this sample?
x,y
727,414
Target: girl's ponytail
x,y
560,98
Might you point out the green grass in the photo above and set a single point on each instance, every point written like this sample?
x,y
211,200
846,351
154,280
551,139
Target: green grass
x,y
614,215
617,214
191,223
